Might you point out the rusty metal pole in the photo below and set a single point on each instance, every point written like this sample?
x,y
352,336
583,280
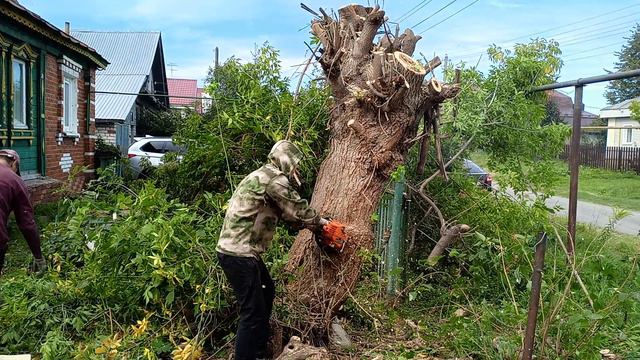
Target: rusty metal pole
x,y
534,301
574,168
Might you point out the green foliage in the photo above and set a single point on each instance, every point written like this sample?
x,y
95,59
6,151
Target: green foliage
x,y
635,110
552,114
160,123
506,118
252,109
628,59
117,257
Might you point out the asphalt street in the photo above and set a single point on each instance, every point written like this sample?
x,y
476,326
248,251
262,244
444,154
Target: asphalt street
x,y
598,215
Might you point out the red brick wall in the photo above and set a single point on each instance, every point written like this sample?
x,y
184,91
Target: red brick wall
x,y
78,151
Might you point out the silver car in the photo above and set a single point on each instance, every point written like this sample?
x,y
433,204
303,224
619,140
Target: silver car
x,y
153,150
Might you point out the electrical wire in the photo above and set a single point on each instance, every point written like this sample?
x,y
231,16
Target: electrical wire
x,y
482,50
449,17
415,9
434,14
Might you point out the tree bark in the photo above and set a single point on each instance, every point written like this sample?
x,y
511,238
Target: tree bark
x,y
379,90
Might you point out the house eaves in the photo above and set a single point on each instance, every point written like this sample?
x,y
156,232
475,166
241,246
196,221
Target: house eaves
x,y
33,21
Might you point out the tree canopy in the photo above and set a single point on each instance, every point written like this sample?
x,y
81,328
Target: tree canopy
x,y
628,59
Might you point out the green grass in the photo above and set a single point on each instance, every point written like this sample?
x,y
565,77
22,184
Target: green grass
x,y
491,328
599,186
617,189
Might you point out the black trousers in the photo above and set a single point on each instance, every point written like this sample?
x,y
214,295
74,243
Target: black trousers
x,y
255,292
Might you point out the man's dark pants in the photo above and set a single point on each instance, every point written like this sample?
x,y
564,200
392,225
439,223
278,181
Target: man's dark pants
x,y
255,292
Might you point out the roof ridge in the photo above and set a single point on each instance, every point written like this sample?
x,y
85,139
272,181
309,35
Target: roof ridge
x,y
117,32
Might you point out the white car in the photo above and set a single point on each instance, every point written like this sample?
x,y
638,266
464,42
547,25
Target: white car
x,y
153,149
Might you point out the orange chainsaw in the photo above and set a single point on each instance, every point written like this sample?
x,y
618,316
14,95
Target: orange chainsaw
x,y
332,236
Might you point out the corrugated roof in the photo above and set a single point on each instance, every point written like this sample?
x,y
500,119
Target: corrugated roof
x,y
131,57
622,105
182,87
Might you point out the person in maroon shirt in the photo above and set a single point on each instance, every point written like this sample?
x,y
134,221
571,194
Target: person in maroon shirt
x,y
14,197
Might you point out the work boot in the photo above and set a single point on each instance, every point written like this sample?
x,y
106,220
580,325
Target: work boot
x,y
39,266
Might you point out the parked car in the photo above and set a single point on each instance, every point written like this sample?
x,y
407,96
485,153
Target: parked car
x,y
152,149
483,178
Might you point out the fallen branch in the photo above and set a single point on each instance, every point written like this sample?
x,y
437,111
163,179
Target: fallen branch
x,y
424,183
296,350
449,236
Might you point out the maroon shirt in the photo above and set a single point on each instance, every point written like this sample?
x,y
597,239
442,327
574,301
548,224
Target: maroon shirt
x,y
15,197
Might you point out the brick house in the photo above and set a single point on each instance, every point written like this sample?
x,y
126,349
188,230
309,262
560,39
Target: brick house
x,y
46,100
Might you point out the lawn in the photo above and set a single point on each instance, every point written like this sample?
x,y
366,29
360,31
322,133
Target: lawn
x,y
618,189
612,188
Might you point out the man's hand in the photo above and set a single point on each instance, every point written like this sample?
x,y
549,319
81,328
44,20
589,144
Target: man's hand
x,y
39,266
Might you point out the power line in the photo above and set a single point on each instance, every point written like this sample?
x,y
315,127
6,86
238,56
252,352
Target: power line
x,y
415,9
449,17
588,57
481,50
434,14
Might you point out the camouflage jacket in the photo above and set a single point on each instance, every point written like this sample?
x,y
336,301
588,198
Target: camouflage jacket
x,y
260,200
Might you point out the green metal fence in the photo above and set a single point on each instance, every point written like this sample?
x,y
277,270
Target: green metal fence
x,y
391,234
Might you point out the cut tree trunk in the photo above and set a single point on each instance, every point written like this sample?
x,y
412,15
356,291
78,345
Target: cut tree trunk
x,y
378,90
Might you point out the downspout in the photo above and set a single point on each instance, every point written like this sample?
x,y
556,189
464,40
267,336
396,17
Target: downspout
x,y
87,91
42,121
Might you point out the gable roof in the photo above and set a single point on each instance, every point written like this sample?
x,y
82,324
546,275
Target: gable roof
x,y
182,87
16,11
564,103
131,55
622,105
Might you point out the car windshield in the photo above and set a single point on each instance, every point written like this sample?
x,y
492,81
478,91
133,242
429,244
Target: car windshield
x,y
473,168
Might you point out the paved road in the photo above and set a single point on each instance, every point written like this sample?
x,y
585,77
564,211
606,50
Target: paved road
x,y
598,215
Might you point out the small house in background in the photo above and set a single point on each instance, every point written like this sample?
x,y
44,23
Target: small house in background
x,y
626,131
185,94
564,103
46,100
136,67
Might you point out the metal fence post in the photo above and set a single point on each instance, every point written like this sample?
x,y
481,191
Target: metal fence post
x,y
393,248
574,167
534,301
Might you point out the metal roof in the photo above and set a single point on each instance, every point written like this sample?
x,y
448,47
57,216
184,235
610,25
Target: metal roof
x,y
622,105
131,56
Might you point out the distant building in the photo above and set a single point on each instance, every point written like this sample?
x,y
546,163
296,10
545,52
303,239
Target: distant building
x,y
46,103
185,94
565,107
137,67
619,117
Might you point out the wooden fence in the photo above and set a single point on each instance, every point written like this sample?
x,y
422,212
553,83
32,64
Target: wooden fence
x,y
611,158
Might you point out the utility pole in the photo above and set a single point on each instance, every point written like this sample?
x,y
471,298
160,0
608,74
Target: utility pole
x,y
215,58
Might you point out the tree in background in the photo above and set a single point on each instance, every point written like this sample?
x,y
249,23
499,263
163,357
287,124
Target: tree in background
x,y
628,59
552,115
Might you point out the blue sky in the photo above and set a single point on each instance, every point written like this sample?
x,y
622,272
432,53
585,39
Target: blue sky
x,y
589,31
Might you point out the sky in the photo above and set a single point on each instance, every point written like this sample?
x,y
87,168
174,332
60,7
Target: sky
x,y
589,31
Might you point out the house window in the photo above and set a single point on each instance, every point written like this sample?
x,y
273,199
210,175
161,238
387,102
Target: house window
x,y
628,135
70,109
19,94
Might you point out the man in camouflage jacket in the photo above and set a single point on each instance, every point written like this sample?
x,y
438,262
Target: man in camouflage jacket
x,y
260,200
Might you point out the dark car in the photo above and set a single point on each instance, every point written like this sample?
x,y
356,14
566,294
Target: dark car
x,y
483,178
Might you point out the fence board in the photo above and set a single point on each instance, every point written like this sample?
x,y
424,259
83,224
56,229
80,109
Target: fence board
x,y
610,158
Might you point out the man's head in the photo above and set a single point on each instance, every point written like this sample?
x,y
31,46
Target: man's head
x,y
11,159
286,156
